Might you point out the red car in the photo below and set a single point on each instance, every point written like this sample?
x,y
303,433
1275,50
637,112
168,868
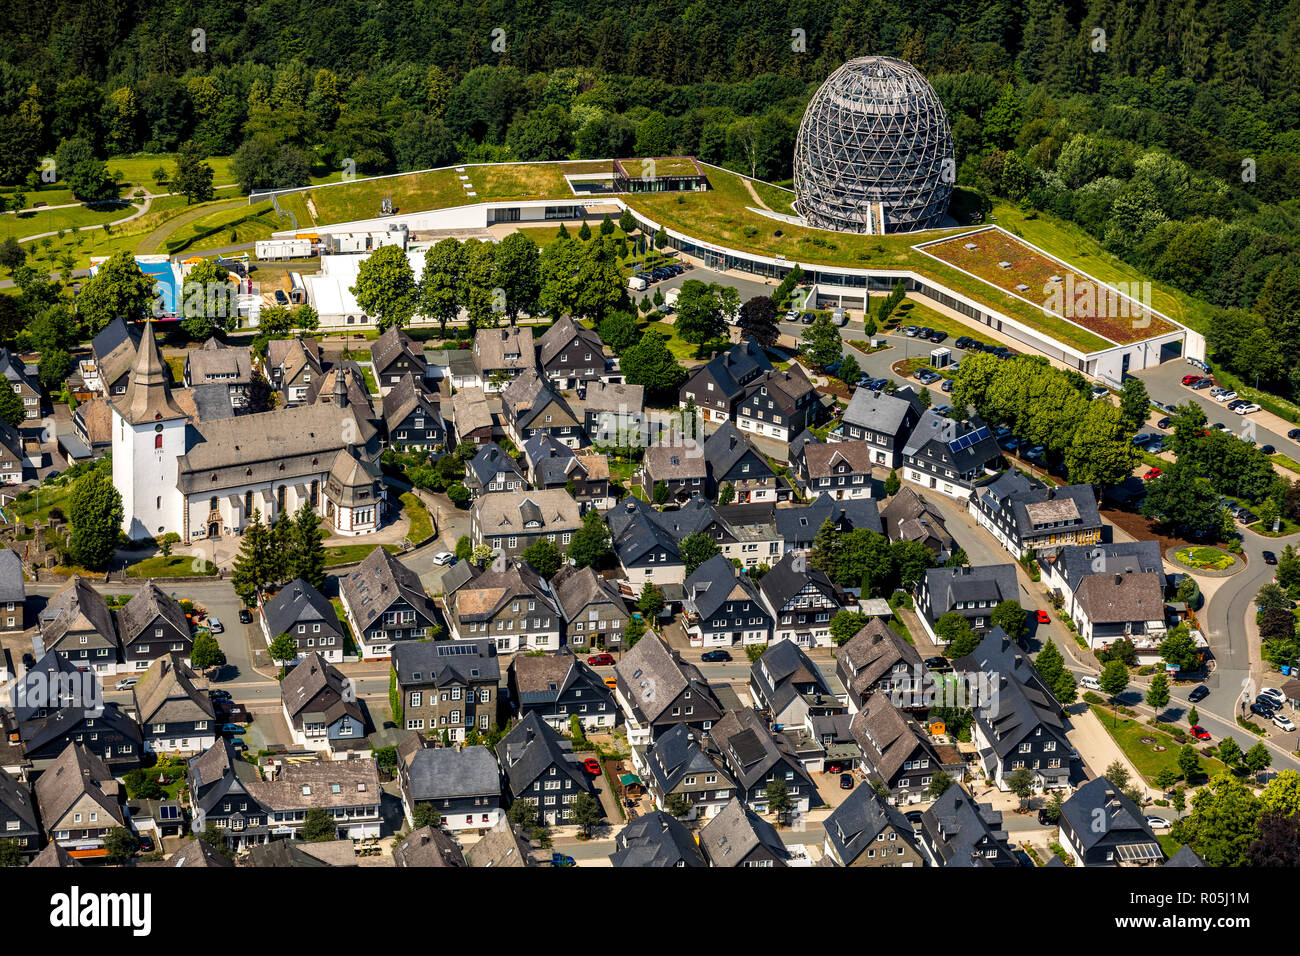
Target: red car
x,y
1200,733
1190,379
592,766
601,660
1151,473
1043,617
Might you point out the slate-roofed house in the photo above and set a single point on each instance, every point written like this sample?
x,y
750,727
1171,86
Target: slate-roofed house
x,y
678,464
500,355
657,690
883,421
646,550
778,404
219,784
193,854
55,703
1021,727
493,470
301,611
557,686
1185,857
505,845
1064,570
737,836
78,624
865,831
216,363
112,353
949,456
18,815
428,846
895,751
24,384
718,386
1124,839
463,785
555,465
152,626
877,659
13,454
756,757
723,608
93,423
347,789
292,365
448,686
959,832
733,460
175,716
320,706
13,592
798,527
55,856
512,521
385,603
512,607
656,839
907,517
1025,516
998,654
612,412
595,615
1108,607
839,469
972,592
394,354
471,418
801,602
540,766
79,801
786,685
678,765
533,408
412,416
298,854
569,353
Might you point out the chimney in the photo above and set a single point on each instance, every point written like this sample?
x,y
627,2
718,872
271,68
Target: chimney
x,y
1119,579
1051,494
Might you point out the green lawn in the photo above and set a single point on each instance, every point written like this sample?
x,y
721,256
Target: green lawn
x,y
348,553
1286,461
52,220
137,169
1148,761
1206,558
421,521
227,226
39,505
899,627
170,566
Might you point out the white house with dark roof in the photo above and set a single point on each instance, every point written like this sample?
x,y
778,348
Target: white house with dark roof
x,y
801,602
307,616
779,404
152,625
77,623
463,785
539,766
883,421
569,354
1065,569
1124,837
176,715
971,591
949,456
839,469
722,608
500,355
595,614
320,706
734,460
1025,515
385,603
718,386
512,521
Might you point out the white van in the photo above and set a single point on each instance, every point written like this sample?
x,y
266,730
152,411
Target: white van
x,y
839,317
1090,682
636,284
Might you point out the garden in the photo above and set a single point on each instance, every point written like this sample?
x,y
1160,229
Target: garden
x,y
1205,558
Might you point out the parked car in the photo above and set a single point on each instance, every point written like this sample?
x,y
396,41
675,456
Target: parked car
x,y
1204,384
245,616
562,859
1235,404
28,662
1267,450
1089,682
1043,617
231,729
126,683
220,695
1199,732
846,781
911,331
962,341
611,682
144,843
215,626
1260,708
1191,379
1273,695
1224,397
1158,823
1246,516
1249,408
937,336
444,557
1198,693
1100,391
1270,557
592,766
1164,422
1294,434
1282,722
1035,453
937,663
1151,473
807,318
237,745
947,385
715,657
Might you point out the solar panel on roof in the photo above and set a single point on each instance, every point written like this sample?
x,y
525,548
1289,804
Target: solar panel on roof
x,y
167,812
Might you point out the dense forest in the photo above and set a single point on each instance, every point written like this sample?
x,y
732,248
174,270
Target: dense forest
x,y
1169,130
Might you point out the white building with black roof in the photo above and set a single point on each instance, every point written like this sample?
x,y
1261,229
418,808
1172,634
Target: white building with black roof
x,y
722,608
1024,515
307,616
883,421
539,766
1123,838
385,603
950,456
971,591
802,602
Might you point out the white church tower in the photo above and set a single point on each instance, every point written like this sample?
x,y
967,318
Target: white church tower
x,y
148,438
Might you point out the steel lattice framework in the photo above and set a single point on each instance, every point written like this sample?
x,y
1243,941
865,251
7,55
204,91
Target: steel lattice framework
x,y
874,151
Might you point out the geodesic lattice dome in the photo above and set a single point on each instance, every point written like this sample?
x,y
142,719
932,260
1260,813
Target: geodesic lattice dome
x,y
874,148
